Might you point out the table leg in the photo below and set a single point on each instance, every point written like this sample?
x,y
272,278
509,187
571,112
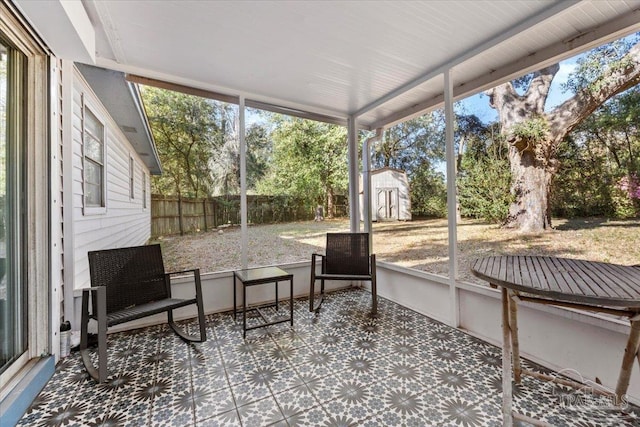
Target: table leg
x,y
291,300
276,295
630,352
244,310
507,420
515,343
235,306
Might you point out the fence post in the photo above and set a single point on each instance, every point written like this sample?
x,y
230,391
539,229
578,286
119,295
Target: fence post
x,y
180,215
215,213
204,207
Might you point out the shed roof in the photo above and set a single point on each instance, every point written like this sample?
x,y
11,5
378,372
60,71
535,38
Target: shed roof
x,y
379,61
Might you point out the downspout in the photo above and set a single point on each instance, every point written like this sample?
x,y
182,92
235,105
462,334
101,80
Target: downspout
x,y
366,181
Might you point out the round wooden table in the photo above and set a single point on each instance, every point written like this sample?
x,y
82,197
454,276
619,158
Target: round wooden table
x,y
589,285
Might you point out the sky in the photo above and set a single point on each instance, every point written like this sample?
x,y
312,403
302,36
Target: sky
x,y
479,104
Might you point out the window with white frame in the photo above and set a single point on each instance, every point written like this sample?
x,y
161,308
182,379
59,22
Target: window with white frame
x,y
131,180
94,155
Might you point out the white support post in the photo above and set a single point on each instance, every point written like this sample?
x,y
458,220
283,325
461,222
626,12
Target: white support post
x,y
242,147
352,140
55,201
68,193
451,200
366,183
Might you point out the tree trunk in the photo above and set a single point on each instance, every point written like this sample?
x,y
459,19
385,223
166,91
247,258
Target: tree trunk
x,y
329,213
533,157
530,186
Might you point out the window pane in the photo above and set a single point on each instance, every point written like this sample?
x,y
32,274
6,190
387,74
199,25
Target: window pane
x,y
12,291
93,125
94,160
93,173
93,195
92,148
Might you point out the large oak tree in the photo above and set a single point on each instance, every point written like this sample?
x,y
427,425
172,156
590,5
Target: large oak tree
x,y
534,135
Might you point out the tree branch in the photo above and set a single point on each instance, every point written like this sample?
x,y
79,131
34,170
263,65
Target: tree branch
x,y
539,87
564,118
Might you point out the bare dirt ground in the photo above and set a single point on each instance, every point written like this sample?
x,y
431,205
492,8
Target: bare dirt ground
x,y
420,244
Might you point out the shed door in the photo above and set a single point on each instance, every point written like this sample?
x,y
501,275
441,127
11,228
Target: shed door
x,y
387,199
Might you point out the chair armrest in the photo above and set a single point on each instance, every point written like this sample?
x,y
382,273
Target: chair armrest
x,y
196,277
100,294
315,255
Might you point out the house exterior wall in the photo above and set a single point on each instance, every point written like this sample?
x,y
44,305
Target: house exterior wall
x,y
123,221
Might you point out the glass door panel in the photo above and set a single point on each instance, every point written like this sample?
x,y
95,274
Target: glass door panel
x,y
13,329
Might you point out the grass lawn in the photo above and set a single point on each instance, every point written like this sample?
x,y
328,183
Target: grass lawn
x,y
420,244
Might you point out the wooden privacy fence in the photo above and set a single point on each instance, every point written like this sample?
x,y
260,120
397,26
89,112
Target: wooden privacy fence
x,y
179,215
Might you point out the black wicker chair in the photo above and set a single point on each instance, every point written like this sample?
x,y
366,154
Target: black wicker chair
x,y
129,284
347,258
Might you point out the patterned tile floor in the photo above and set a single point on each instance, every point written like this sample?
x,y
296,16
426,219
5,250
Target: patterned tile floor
x,y
338,368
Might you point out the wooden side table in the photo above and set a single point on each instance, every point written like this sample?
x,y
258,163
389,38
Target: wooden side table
x,y
259,276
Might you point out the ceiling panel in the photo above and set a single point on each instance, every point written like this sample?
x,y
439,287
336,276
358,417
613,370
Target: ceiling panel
x,y
374,58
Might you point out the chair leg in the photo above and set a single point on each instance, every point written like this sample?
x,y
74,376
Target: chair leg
x,y
315,307
200,305
312,288
201,318
374,295
181,332
374,288
98,374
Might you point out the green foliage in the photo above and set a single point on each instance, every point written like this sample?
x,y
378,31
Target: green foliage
x,y
308,159
226,162
602,151
187,132
583,185
483,188
484,177
531,131
591,67
409,144
428,193
416,146
624,206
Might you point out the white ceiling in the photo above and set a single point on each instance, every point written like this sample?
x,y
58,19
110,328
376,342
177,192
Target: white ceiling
x,y
340,58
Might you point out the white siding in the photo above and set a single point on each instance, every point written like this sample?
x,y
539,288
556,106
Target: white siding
x,y
124,221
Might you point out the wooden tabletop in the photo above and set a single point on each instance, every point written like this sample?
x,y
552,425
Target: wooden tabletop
x,y
564,279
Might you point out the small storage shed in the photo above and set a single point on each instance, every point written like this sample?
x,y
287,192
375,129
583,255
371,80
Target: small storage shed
x,y
390,196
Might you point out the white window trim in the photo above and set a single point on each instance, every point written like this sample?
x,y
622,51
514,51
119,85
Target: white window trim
x,y
145,193
132,178
95,210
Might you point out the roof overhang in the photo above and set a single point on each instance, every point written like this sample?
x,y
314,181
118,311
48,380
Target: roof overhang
x,y
122,100
381,62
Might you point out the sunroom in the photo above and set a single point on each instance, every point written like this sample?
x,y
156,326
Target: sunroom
x,y
363,65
